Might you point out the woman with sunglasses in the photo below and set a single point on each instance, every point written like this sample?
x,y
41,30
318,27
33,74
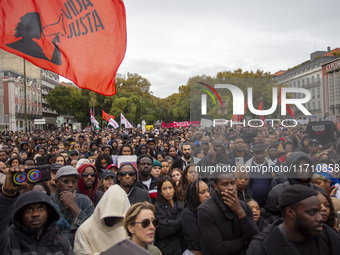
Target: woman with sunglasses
x,y
140,224
88,183
169,235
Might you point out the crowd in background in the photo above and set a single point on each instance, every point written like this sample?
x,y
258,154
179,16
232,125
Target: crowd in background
x,y
162,200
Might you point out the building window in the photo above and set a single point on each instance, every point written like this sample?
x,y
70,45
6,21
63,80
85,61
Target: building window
x,y
313,93
16,108
313,105
319,105
318,92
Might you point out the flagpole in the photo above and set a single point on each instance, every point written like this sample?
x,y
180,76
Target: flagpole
x,y
25,92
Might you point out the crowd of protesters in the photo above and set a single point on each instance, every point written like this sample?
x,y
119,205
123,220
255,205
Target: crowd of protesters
x,y
173,198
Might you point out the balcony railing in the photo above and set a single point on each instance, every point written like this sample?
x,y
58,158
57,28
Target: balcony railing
x,y
29,116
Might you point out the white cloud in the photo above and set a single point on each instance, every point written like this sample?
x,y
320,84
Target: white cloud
x,y
171,41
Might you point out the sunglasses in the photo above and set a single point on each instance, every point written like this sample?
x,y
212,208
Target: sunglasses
x,y
123,174
146,222
85,175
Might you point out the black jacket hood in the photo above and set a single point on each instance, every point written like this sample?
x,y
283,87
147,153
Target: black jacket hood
x,y
292,160
33,197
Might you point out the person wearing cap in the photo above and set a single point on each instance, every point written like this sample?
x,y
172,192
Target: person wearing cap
x,y
88,183
313,148
300,166
324,179
34,222
54,168
73,208
156,168
301,229
260,177
74,155
107,180
126,178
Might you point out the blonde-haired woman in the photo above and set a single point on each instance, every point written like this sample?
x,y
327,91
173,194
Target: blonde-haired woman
x,y
140,224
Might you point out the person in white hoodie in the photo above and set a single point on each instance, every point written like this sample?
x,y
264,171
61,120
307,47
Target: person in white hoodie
x,y
105,227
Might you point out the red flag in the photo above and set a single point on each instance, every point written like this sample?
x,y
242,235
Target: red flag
x,y
163,124
245,108
261,108
84,41
290,111
106,116
288,108
235,118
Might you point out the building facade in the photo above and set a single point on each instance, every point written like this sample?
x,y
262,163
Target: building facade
x,y
331,89
309,75
12,93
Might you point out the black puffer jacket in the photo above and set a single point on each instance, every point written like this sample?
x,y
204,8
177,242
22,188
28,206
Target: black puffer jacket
x,y
169,233
18,239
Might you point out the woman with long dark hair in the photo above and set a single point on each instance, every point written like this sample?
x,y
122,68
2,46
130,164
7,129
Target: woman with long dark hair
x,y
169,236
102,162
196,193
327,208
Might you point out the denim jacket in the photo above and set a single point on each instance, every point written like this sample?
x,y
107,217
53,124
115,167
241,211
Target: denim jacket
x,y
67,224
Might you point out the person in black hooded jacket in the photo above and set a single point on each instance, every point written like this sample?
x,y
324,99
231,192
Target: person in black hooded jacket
x,y
34,218
295,162
304,144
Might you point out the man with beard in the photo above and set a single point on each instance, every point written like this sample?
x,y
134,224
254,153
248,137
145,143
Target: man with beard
x,y
88,183
126,178
301,230
73,208
186,158
226,224
146,180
